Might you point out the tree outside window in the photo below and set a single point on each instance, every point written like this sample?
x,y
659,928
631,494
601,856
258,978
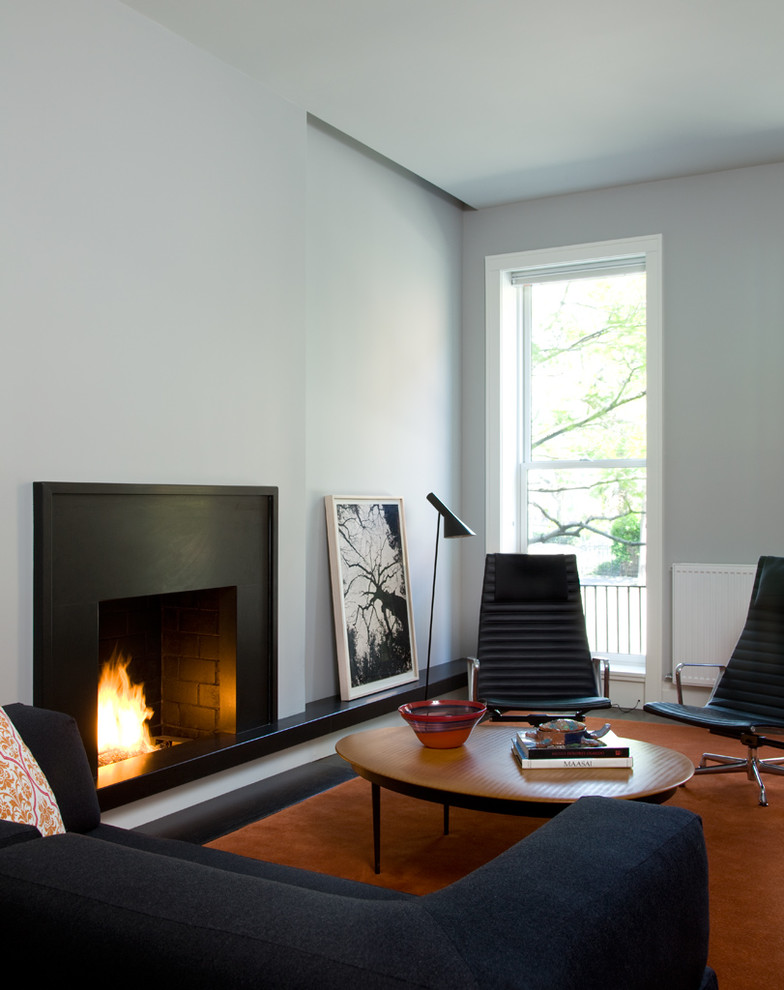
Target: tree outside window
x,y
583,419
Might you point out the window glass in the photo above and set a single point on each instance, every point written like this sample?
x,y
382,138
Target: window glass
x,y
587,368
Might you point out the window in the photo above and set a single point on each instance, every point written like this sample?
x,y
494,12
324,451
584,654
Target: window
x,y
573,419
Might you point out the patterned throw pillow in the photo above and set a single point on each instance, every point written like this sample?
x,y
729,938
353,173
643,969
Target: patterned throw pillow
x,y
25,794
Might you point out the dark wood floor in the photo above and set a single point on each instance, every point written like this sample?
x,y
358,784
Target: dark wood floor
x,y
211,819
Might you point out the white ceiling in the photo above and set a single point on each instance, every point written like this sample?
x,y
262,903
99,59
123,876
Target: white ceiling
x,y
502,100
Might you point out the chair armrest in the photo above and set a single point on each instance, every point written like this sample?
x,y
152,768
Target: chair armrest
x,y
601,668
721,667
473,677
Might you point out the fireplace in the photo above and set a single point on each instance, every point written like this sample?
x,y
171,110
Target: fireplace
x,y
177,583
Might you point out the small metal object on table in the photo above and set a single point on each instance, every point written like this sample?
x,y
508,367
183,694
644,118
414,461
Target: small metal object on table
x,y
483,775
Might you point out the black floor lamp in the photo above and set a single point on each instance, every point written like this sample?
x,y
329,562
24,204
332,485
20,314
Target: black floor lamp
x,y
452,527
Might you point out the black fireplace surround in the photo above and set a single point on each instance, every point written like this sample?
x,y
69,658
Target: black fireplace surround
x,y
193,520
104,543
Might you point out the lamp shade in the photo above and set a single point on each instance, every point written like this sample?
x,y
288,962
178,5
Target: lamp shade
x,y
452,525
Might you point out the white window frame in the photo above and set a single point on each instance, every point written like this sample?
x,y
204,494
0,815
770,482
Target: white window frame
x,y
500,317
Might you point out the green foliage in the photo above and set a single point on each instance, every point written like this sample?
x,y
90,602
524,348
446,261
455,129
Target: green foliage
x,y
588,405
626,533
588,358
625,548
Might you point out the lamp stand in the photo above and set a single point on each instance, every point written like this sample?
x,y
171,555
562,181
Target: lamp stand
x,y
432,608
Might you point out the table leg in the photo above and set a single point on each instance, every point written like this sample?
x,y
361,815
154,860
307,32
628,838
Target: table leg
x,y
375,792
446,819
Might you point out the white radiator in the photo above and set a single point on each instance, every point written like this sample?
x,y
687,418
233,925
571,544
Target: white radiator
x,y
709,607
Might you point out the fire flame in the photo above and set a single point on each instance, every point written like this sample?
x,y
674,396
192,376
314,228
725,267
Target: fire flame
x,y
122,714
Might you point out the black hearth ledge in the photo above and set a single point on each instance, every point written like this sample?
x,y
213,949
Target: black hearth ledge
x,y
320,718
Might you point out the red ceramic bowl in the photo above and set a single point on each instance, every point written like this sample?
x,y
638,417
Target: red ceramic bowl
x,y
442,724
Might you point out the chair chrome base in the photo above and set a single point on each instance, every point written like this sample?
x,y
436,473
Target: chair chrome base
x,y
752,764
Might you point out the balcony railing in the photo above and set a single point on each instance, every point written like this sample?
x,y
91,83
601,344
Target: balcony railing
x,y
615,618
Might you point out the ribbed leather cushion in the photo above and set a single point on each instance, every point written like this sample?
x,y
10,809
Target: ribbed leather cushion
x,y
753,683
751,690
535,652
719,720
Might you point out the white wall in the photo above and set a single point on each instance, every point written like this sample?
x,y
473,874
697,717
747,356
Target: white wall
x,y
186,266
723,327
383,398
153,210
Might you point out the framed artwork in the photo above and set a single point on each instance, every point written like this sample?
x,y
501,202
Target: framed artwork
x,y
371,594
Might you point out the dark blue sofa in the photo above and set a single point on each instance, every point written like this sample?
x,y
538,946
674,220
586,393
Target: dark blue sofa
x,y
609,895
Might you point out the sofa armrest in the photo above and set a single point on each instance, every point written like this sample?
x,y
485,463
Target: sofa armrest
x,y
13,832
615,891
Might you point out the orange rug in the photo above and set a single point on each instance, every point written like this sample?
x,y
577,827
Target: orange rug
x,y
332,833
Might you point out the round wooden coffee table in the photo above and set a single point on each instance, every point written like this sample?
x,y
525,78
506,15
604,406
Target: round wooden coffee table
x,y
483,775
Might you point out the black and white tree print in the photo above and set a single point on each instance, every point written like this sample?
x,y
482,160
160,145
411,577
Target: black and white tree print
x,y
374,590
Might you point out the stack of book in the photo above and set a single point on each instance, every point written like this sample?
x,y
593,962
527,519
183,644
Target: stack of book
x,y
605,753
